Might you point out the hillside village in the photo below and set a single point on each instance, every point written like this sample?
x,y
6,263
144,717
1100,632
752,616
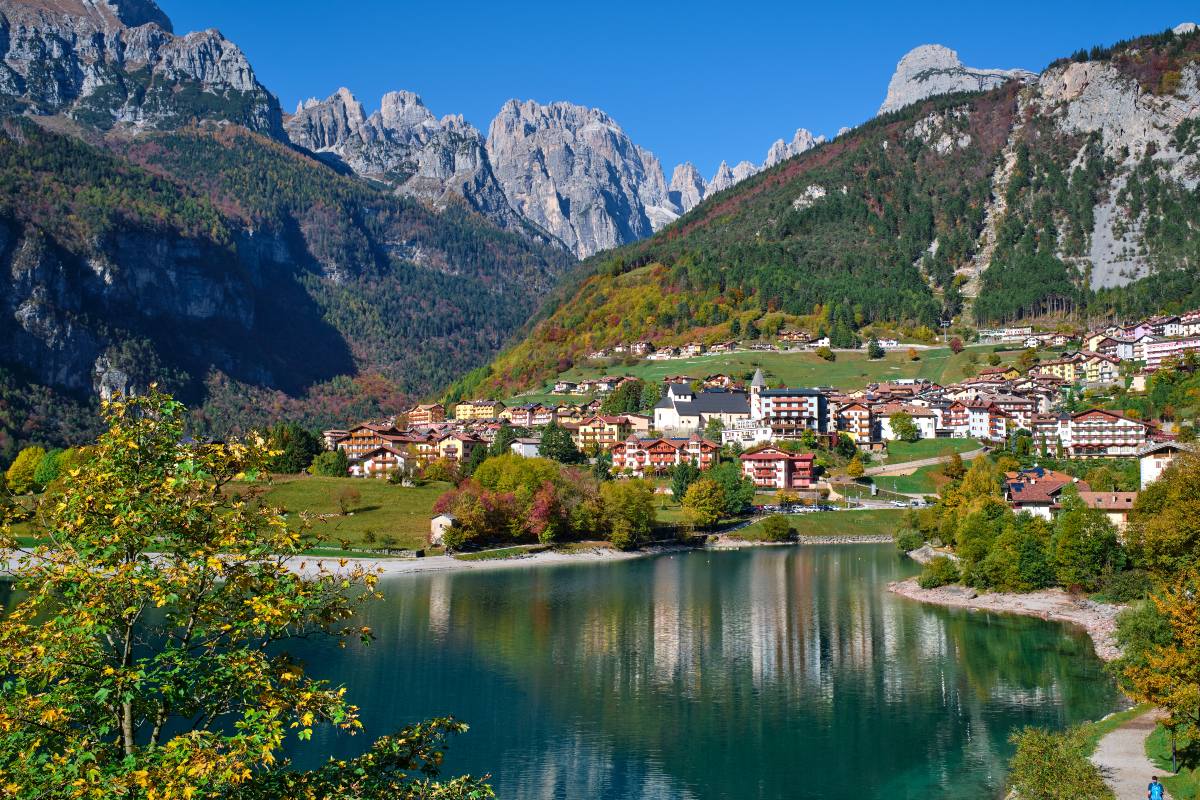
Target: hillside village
x,y
776,433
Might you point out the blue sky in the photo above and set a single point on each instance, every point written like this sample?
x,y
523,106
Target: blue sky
x,y
698,81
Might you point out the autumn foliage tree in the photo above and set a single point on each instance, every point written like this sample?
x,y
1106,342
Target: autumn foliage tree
x,y
148,656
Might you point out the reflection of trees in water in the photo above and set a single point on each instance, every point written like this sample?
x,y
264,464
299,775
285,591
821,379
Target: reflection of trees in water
x,y
751,665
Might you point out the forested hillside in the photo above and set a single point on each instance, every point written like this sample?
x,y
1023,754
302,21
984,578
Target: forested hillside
x,y
250,278
1073,198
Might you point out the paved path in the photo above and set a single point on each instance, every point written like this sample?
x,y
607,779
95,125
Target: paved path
x,y
913,466
1121,756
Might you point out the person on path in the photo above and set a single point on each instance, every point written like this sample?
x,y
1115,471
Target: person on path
x,y
1155,790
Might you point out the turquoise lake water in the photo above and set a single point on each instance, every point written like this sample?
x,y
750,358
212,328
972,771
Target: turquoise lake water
x,y
763,673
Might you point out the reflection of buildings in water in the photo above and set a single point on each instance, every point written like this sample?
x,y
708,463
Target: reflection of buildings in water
x,y
439,605
584,764
667,622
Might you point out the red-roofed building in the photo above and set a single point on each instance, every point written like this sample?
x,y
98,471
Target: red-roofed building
x,y
641,457
772,468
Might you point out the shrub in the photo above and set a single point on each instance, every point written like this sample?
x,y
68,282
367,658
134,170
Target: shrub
x,y
21,473
1127,586
331,464
940,571
1055,766
777,528
826,354
908,540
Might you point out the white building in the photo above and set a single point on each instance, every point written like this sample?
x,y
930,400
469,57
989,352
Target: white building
x,y
1153,459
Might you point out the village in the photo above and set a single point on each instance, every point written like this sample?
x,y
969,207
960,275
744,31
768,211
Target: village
x,y
775,432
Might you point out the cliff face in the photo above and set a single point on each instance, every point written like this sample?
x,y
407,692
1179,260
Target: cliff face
x,y
403,144
932,69
573,172
117,63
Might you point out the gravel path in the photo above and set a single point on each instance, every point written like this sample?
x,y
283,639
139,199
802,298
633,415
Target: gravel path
x,y
1121,757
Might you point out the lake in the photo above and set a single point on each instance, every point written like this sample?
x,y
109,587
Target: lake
x,y
762,673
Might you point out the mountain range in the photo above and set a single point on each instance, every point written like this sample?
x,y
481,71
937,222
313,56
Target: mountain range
x,y
163,218
983,196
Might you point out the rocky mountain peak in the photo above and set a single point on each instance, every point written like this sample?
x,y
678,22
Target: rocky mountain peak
x,y
116,62
97,14
781,151
687,187
575,173
933,69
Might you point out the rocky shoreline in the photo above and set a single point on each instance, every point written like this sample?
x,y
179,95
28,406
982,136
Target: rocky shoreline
x,y
1099,620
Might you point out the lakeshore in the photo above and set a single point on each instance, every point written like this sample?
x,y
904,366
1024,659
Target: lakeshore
x,y
1099,620
386,566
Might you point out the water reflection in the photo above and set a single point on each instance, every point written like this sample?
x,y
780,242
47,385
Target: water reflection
x,y
764,674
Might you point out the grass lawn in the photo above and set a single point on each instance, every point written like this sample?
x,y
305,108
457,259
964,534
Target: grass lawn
x,y
903,452
501,553
871,522
1185,785
384,509
926,480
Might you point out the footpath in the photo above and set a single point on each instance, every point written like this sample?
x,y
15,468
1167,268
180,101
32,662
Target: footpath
x,y
1121,757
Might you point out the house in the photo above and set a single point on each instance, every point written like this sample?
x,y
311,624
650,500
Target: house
x,y
747,433
683,410
600,433
772,468
657,456
1164,325
332,437
1153,459
526,447
478,409
530,415
1067,369
1098,368
1038,491
924,419
1115,505
438,527
985,421
642,348
381,462
794,336
789,412
665,354
1095,433
1156,352
565,387
427,414
456,447
692,349
856,421
362,439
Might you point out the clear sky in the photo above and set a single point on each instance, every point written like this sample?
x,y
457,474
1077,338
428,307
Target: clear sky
x,y
699,81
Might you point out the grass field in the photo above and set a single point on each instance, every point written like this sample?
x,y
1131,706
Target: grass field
x,y
926,480
501,553
848,371
1185,785
903,452
383,509
873,522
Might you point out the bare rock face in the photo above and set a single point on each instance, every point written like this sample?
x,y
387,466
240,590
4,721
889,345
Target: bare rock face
x,y
727,177
802,141
405,145
931,70
117,62
687,187
572,171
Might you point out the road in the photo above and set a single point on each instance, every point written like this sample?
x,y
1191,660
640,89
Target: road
x,y
910,466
